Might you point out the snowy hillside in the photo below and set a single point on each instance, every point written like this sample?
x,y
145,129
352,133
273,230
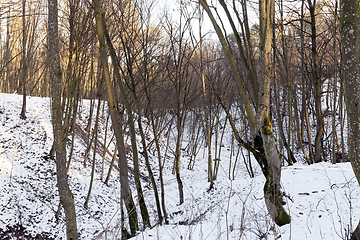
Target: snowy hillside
x,y
323,199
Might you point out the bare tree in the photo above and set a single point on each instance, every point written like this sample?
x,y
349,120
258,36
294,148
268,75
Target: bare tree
x,y
23,70
264,147
116,121
317,85
66,197
178,73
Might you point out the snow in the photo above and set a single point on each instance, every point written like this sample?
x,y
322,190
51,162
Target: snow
x,y
322,199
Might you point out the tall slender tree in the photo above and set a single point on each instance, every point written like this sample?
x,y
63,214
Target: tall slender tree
x,y
66,197
317,84
116,121
23,61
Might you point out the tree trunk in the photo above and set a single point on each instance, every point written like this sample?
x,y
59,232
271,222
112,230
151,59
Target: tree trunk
x,y
299,136
117,123
271,164
177,156
335,92
350,30
148,166
23,70
66,197
207,109
317,85
8,84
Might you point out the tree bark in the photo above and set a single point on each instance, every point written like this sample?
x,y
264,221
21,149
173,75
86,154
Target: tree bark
x,y
177,157
66,197
350,30
272,164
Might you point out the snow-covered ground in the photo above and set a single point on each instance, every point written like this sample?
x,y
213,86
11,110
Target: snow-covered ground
x,y
322,199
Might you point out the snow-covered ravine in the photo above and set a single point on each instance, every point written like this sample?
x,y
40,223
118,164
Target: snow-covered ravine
x,y
322,199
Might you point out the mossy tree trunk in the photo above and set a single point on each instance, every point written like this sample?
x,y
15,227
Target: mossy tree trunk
x,y
272,163
264,148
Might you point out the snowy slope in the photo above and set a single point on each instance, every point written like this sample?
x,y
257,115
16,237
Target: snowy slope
x,y
323,199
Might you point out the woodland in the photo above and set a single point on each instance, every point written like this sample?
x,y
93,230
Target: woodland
x,y
280,78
